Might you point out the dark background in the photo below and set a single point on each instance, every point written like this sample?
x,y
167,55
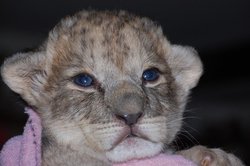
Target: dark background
x,y
218,114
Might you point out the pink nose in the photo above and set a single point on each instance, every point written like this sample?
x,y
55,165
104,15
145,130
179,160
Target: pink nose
x,y
129,119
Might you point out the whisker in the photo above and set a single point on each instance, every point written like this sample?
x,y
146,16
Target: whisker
x,y
190,137
176,145
186,125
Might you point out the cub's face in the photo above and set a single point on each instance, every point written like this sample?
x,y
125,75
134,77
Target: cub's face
x,y
107,84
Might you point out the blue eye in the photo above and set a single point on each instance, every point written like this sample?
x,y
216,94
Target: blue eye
x,y
150,74
84,80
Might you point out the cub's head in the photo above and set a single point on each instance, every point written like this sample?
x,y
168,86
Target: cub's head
x,y
106,83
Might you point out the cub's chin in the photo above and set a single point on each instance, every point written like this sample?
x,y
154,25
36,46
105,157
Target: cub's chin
x,y
133,148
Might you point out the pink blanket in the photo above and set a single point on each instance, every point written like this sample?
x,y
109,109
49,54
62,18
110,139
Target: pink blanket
x,y
25,150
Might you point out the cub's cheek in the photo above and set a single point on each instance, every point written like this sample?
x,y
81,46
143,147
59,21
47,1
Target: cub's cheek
x,y
67,133
154,129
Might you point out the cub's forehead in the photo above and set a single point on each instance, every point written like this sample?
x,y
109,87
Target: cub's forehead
x,y
96,41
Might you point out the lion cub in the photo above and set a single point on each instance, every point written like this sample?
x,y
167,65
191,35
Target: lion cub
x,y
108,87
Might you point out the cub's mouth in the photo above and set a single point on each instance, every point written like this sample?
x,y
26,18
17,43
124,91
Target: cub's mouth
x,y
131,138
133,143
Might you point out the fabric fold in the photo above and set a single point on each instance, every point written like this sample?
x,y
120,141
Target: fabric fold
x,y
24,150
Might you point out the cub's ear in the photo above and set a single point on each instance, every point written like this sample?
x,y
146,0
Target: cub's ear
x,y
186,66
25,74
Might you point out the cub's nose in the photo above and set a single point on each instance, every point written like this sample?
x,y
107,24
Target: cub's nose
x,y
127,102
129,119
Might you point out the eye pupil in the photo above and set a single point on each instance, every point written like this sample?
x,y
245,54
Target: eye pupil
x,y
83,80
150,75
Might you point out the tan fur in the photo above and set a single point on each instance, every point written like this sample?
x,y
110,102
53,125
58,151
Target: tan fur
x,y
210,157
80,126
